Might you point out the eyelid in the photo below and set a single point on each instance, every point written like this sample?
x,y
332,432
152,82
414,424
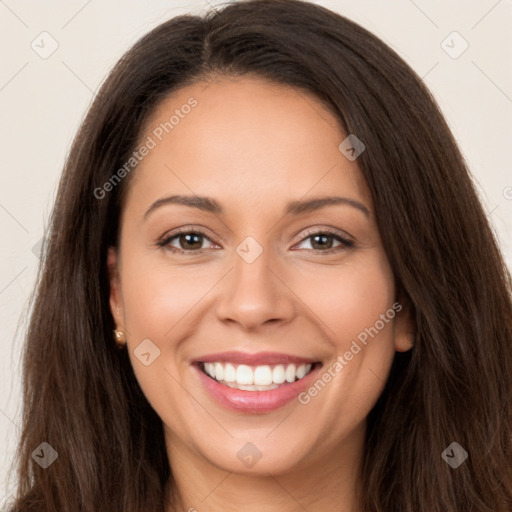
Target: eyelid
x,y
166,239
324,230
345,239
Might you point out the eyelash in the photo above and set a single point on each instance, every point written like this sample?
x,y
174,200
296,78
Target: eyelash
x,y
345,243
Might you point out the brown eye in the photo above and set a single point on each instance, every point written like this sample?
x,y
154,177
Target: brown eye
x,y
190,240
323,241
186,241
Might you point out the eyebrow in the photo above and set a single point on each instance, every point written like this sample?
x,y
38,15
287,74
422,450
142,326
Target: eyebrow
x,y
209,204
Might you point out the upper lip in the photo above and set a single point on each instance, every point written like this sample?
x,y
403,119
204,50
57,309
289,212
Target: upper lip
x,y
259,358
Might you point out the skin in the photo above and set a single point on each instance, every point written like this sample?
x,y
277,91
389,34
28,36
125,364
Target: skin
x,y
254,146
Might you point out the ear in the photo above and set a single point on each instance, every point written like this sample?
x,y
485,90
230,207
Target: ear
x,y
116,303
405,326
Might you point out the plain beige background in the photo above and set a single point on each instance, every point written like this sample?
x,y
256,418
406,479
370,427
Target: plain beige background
x,y
44,97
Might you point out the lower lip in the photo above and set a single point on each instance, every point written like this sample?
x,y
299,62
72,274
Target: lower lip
x,y
255,401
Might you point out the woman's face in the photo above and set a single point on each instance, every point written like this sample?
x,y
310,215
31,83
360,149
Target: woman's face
x,y
254,283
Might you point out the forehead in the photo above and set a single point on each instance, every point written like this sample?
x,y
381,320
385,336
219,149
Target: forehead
x,y
246,140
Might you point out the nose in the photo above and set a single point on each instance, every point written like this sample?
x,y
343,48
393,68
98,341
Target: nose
x,y
255,294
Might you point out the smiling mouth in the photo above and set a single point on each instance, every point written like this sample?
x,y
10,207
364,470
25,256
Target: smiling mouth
x,y
256,378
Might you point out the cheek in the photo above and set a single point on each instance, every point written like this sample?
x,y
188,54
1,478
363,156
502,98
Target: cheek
x,y
159,302
356,308
350,299
158,296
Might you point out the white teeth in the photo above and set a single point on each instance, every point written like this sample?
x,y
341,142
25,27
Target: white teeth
x,y
301,371
209,368
278,375
263,376
219,371
229,373
290,373
244,375
257,378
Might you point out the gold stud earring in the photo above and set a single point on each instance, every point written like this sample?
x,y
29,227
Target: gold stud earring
x,y
120,338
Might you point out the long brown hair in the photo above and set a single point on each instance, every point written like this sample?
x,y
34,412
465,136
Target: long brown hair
x,y
80,394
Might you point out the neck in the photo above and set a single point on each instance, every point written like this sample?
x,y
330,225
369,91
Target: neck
x,y
328,480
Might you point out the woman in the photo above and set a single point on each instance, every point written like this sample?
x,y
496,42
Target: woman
x,y
266,212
